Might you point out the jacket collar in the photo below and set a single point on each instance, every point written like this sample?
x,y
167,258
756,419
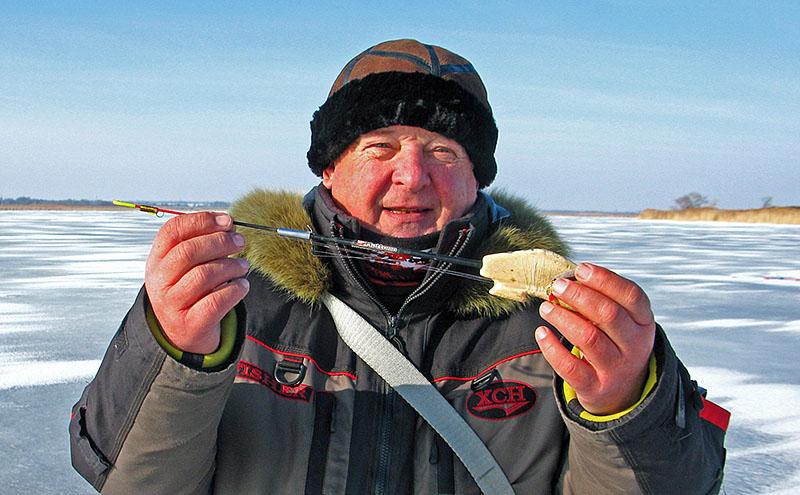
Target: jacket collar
x,y
459,237
293,268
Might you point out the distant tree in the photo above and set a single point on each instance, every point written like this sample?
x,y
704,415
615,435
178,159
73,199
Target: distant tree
x,y
766,202
692,200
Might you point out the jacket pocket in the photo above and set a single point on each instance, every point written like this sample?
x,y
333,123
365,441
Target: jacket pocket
x,y
87,458
286,427
510,406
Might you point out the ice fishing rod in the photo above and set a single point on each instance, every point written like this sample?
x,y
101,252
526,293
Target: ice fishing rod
x,y
311,237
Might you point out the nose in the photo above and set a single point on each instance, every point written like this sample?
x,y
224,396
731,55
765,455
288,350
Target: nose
x,y
410,169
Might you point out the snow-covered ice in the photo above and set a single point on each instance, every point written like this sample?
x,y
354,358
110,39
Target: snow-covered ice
x,y
725,293
43,372
735,326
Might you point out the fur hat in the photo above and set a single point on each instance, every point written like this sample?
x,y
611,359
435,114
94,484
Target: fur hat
x,y
405,82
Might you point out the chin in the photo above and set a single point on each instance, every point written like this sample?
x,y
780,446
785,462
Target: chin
x,y
420,232
409,234
407,231
408,225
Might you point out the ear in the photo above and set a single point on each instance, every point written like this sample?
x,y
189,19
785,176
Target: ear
x,y
327,176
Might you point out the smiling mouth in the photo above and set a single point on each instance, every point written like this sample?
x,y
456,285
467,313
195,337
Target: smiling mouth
x,y
407,210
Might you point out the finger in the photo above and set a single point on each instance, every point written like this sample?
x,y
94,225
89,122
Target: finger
x,y
596,345
183,227
203,279
617,288
577,372
218,303
601,311
199,250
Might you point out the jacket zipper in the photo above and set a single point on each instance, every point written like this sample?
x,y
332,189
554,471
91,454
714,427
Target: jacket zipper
x,y
387,393
458,247
392,331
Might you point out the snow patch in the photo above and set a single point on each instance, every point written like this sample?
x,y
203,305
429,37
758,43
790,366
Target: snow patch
x,y
33,373
772,408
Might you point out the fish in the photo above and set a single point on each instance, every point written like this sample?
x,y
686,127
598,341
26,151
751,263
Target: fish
x,y
520,275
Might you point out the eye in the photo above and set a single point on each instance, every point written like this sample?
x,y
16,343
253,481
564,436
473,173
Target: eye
x,y
379,145
380,150
444,153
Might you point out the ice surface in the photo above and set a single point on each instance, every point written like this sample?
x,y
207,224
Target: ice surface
x,y
735,327
67,279
771,408
39,372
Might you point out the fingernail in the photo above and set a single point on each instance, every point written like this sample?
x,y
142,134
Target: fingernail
x,y
559,286
541,333
583,271
244,263
545,308
238,239
223,220
244,283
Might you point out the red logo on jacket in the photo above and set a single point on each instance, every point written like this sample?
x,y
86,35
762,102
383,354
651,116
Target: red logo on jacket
x,y
501,400
250,371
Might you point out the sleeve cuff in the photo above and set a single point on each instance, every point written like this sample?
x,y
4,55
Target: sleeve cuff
x,y
573,405
227,341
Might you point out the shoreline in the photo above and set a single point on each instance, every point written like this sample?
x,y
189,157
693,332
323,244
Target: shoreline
x,y
58,207
72,207
65,207
597,214
784,215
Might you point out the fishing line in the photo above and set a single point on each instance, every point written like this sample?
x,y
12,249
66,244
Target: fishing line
x,y
353,249
326,251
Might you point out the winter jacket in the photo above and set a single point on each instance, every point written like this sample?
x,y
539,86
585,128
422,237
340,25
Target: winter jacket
x,y
293,410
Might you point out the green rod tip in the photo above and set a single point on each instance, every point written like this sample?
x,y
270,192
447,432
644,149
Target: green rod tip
x,y
123,203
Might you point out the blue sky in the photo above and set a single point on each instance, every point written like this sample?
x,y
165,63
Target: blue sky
x,y
614,106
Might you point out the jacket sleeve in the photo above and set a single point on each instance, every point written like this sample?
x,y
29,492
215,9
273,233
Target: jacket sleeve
x,y
147,422
667,444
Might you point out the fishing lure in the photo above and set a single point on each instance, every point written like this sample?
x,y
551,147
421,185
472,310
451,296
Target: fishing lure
x,y
520,274
517,275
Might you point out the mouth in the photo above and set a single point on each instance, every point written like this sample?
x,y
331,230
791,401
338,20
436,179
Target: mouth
x,y
404,210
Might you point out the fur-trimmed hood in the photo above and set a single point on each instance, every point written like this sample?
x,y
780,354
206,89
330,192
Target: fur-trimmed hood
x,y
292,267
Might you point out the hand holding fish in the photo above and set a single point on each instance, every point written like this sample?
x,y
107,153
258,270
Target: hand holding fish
x,y
192,284
190,280
613,326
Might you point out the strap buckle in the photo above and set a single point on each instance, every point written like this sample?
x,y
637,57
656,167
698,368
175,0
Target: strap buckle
x,y
289,373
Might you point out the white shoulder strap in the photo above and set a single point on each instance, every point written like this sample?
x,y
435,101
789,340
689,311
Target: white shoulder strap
x,y
380,355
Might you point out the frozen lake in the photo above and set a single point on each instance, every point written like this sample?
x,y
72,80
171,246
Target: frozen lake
x,y
727,295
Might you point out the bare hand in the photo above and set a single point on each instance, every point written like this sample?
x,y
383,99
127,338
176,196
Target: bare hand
x,y
190,280
614,328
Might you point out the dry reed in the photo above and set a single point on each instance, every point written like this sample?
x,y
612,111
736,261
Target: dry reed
x,y
777,214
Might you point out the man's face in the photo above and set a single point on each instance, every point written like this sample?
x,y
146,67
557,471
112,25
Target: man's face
x,y
403,181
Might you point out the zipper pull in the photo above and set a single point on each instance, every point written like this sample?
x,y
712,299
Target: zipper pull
x,y
392,335
483,380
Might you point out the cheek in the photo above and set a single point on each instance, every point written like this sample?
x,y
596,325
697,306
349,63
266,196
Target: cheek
x,y
359,194
365,188
458,191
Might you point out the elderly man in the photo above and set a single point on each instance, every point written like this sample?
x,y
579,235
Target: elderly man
x,y
228,374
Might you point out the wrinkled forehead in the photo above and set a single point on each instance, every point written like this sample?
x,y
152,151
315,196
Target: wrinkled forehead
x,y
413,56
